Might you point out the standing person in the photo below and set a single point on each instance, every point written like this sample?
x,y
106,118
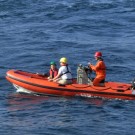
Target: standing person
x,y
53,70
99,69
64,75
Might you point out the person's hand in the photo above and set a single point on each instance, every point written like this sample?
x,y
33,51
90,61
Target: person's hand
x,y
50,80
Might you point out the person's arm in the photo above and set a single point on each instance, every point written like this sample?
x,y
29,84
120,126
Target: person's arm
x,y
50,74
94,68
56,77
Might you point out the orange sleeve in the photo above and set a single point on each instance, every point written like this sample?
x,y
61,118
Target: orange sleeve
x,y
97,66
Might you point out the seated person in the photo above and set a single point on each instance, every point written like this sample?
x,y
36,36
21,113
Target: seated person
x,y
64,75
100,70
53,70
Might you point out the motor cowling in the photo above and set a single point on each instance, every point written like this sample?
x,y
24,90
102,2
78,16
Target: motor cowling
x,y
83,74
133,84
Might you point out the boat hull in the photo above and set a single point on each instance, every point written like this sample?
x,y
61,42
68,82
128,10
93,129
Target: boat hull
x,y
39,84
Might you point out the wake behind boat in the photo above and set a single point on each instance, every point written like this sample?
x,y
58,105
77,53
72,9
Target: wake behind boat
x,y
32,82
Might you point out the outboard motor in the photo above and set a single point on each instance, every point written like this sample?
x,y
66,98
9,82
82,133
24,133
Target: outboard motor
x,y
133,84
82,75
133,87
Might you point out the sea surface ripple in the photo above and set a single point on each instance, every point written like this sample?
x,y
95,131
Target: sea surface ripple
x,y
35,32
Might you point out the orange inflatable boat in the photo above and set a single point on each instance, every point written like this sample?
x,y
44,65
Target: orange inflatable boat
x,y
34,83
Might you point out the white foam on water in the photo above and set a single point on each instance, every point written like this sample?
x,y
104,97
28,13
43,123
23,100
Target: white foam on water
x,y
21,89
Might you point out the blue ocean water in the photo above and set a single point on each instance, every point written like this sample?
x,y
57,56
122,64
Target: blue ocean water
x,y
35,32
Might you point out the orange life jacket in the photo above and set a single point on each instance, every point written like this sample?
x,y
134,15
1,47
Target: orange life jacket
x,y
99,68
